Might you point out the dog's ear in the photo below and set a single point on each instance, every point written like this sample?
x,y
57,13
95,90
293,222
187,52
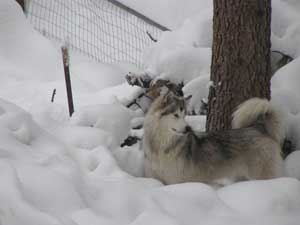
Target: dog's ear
x,y
187,99
168,97
175,88
155,90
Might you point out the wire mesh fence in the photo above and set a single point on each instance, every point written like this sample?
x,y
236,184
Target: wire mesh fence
x,y
104,30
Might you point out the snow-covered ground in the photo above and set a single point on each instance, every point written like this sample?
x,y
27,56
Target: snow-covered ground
x,y
56,170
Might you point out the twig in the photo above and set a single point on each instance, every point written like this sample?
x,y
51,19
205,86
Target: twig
x,y
151,37
53,95
134,102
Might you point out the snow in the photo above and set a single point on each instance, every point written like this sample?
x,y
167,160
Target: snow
x,y
112,118
198,88
279,82
35,63
97,77
58,170
292,168
286,27
170,13
255,198
183,54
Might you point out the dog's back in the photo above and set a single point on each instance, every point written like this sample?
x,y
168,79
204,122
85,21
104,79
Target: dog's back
x,y
250,151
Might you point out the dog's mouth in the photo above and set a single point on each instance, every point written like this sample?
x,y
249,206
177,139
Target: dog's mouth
x,y
187,130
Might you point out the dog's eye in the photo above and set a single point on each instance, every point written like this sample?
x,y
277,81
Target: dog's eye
x,y
181,109
176,115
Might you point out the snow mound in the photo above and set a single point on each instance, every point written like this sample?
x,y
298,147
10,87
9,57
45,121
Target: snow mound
x,y
286,27
85,137
176,60
198,88
112,118
255,197
33,54
291,164
130,159
286,79
98,75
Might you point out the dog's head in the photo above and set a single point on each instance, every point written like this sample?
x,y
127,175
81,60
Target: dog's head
x,y
170,110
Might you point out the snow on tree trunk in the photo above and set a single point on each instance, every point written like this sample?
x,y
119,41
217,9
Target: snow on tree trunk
x,y
240,57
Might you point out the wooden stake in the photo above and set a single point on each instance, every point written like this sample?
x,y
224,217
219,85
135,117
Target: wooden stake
x,y
65,55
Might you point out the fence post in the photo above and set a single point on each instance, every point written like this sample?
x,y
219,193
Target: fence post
x,y
66,61
22,4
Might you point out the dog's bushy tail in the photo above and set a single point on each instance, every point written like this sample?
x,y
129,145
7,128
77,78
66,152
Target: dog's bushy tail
x,y
259,111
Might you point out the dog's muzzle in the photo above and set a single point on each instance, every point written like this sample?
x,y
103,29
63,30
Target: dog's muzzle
x,y
186,130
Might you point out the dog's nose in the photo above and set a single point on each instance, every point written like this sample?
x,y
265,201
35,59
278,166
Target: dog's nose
x,y
188,129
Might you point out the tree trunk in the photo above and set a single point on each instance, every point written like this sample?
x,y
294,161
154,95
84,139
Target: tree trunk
x,y
240,66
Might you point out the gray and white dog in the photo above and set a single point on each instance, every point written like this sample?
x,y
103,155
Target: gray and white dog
x,y
174,153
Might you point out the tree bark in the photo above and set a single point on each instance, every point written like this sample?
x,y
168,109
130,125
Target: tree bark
x,y
240,66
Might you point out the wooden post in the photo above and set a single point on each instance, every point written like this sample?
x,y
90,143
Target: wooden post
x,y
65,55
22,4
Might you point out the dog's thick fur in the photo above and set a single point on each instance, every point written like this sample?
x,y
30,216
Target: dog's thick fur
x,y
174,153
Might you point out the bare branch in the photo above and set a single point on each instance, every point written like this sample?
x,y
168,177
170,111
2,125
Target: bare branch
x,y
151,37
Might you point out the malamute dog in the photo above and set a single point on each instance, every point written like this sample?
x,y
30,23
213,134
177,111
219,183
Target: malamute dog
x,y
174,153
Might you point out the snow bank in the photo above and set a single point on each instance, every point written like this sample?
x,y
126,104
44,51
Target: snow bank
x,y
287,78
285,38
52,179
286,27
285,91
292,168
183,54
256,198
97,75
198,88
112,118
23,47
